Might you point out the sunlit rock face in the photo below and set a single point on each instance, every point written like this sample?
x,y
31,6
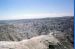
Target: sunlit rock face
x,y
39,42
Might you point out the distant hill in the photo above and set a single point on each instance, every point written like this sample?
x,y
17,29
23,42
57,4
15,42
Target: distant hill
x,y
16,30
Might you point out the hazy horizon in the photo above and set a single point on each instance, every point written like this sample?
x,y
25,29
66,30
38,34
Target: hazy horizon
x,y
30,9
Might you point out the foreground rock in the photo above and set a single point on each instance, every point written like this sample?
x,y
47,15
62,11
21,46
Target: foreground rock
x,y
39,42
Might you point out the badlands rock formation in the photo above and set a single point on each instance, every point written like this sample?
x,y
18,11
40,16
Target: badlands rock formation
x,y
18,30
39,42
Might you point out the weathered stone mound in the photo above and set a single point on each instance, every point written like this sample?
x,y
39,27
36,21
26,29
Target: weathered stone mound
x,y
39,42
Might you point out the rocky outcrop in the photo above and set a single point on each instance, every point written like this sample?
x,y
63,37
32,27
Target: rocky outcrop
x,y
39,42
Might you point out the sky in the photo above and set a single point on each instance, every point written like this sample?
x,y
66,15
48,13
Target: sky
x,y
27,9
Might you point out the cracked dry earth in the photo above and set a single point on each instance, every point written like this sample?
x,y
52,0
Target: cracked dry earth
x,y
39,42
